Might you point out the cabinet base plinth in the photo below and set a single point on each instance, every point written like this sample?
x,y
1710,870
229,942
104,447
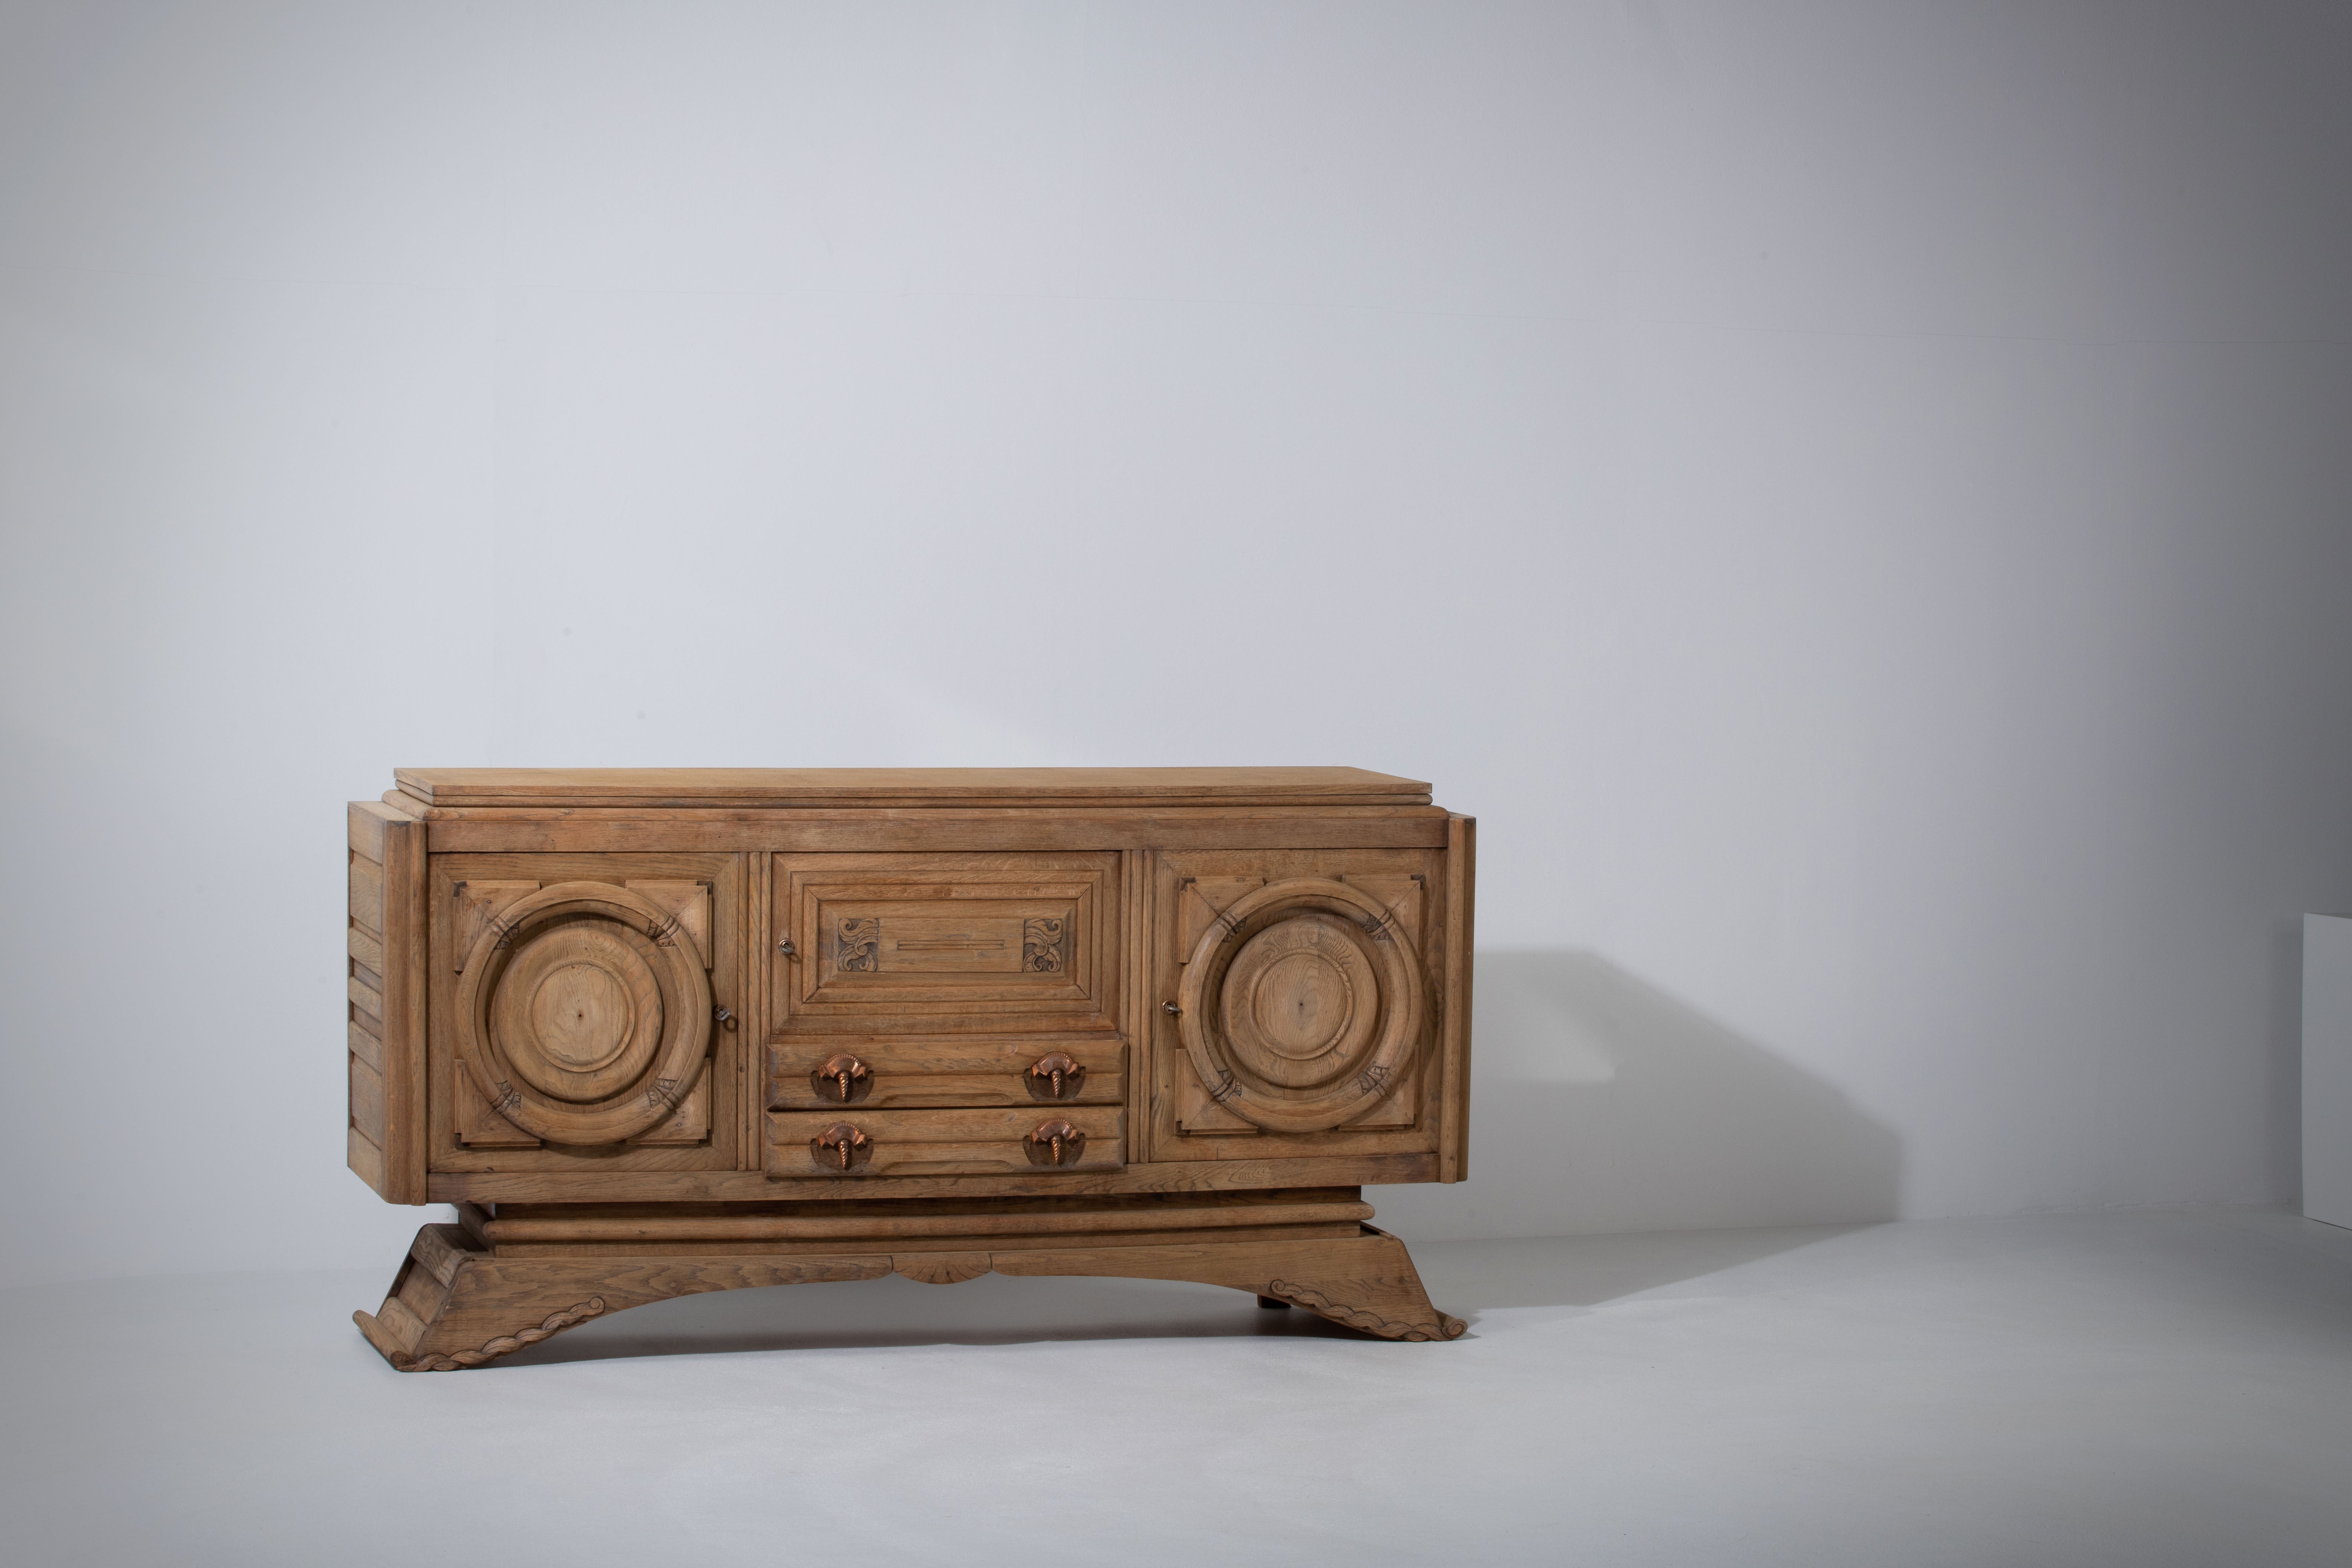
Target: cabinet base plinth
x,y
471,1293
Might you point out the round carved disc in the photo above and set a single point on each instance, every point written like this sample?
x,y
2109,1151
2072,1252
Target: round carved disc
x,y
583,1014
1301,1001
578,1012
1300,1007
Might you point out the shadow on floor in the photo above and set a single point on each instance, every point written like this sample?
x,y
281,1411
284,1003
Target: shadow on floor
x,y
1602,1105
1464,1277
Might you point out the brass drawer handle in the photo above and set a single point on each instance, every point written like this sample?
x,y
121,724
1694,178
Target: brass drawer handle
x,y
1055,1074
841,1146
843,1078
1055,1142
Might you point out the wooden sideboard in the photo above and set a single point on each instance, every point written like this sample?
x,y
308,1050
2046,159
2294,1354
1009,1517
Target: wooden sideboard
x,y
662,1031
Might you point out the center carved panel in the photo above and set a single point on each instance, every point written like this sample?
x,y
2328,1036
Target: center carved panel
x,y
977,940
946,939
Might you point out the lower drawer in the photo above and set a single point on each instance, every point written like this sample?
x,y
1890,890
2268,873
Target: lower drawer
x,y
866,1072
1025,1140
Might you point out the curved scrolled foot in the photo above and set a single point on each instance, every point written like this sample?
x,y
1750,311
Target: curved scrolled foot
x,y
457,1304
454,1306
1366,1282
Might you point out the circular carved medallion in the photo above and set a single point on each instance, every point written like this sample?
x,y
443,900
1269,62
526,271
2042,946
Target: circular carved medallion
x,y
583,1014
1301,1008
578,1012
1300,1000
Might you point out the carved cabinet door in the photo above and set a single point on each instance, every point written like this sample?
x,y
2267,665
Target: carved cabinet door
x,y
1297,997
585,1005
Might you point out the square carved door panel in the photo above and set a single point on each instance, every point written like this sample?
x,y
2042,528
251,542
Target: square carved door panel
x,y
1306,1006
580,1005
946,943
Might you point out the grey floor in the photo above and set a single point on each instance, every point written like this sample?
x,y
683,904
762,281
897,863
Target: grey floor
x,y
2142,1388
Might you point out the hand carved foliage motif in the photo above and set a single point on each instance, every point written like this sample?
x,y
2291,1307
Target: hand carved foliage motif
x,y
1044,944
854,945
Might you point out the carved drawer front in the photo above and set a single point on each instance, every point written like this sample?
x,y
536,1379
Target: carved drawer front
x,y
905,1071
850,1142
945,942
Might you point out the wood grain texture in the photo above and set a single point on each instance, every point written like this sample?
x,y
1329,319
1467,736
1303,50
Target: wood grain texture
x,y
367,1100
908,1246
1135,958
479,1126
364,1156
947,1223
366,879
1454,1092
909,786
909,831
659,1186
361,1037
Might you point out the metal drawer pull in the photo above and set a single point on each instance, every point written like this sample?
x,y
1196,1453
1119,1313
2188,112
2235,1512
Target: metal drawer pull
x,y
843,1144
1055,1072
1055,1142
843,1078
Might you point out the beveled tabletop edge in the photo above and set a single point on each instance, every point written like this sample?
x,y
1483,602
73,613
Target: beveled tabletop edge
x,y
783,787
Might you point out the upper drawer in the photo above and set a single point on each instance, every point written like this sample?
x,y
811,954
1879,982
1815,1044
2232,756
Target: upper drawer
x,y
946,941
820,1072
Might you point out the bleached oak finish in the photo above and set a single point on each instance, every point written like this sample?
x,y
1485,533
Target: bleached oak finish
x,y
660,1031
925,788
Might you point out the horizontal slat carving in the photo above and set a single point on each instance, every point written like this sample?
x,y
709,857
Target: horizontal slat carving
x,y
367,1100
383,987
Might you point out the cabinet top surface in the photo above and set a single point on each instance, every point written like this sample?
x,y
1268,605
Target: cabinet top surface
x,y
945,787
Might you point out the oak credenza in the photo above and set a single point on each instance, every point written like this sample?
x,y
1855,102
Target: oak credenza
x,y
661,1031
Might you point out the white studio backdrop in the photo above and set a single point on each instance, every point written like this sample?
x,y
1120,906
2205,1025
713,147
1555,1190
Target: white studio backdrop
x,y
1856,498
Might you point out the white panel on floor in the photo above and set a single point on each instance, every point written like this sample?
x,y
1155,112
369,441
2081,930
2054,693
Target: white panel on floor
x,y
2327,1068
